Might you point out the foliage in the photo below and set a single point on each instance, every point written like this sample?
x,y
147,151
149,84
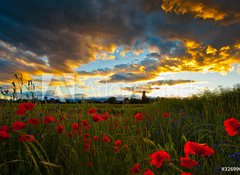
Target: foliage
x,y
63,149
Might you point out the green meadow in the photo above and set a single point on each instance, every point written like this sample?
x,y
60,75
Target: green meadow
x,y
198,119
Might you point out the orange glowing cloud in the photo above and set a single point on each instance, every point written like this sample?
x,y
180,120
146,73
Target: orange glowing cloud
x,y
197,8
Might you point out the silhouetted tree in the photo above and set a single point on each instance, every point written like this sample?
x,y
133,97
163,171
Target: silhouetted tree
x,y
135,101
112,100
126,100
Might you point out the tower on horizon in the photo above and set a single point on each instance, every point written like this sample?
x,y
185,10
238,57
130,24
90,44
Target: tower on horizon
x,y
144,97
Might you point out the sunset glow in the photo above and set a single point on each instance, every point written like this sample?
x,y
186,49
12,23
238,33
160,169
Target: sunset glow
x,y
119,48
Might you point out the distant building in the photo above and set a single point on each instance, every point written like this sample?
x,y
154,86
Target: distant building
x,y
144,97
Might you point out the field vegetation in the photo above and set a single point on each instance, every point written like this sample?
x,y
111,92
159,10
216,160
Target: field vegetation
x,y
197,135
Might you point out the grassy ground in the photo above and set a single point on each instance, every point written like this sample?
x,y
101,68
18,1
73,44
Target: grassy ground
x,y
198,119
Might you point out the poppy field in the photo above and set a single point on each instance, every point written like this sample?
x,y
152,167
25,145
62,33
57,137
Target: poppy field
x,y
168,137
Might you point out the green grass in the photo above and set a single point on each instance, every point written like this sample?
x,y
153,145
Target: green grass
x,y
199,119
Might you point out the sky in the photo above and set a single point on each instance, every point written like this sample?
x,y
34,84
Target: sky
x,y
102,48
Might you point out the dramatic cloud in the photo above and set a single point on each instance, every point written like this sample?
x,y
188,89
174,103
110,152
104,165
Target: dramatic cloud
x,y
126,77
198,8
195,57
224,10
68,33
59,36
14,60
156,85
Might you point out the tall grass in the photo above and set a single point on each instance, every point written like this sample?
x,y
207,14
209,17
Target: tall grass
x,y
199,119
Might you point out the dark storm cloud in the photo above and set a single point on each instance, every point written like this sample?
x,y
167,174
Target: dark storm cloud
x,y
6,68
170,82
215,22
71,33
67,30
14,60
224,11
155,85
150,64
126,72
140,89
11,53
100,71
10,67
125,77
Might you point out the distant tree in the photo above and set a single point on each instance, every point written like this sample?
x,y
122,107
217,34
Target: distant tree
x,y
112,100
51,100
135,101
57,100
126,100
46,99
120,102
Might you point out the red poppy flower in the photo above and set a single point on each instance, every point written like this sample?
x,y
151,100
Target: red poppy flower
x,y
232,126
4,134
89,140
31,137
196,148
105,116
29,105
60,119
92,111
158,158
86,135
20,112
97,117
75,126
116,149
185,173
118,143
138,116
135,169
4,128
48,119
33,121
25,137
188,163
85,124
86,147
59,129
96,138
23,107
106,139
166,114
18,125
148,172
70,134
